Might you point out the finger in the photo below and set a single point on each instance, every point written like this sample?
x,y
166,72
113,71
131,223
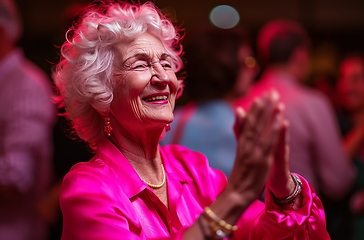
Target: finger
x,y
254,112
250,140
260,114
273,133
270,108
281,153
240,119
247,132
261,150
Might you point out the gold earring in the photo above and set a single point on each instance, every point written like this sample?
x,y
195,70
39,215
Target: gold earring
x,y
107,126
168,127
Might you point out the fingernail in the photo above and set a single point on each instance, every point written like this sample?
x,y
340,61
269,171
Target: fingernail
x,y
281,106
240,111
275,95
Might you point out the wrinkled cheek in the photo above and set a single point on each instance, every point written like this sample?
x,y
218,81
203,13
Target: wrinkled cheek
x,y
172,102
136,109
180,87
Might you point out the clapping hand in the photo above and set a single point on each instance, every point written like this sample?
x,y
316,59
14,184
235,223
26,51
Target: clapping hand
x,y
262,152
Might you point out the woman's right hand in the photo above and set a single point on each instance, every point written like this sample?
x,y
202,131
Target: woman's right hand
x,y
257,133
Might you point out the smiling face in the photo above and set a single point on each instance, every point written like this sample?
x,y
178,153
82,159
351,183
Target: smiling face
x,y
146,85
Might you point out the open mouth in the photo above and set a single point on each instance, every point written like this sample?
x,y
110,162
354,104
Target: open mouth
x,y
155,98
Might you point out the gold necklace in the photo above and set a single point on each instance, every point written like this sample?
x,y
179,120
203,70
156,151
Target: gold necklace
x,y
156,186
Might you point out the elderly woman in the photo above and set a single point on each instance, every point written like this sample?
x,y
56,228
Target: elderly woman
x,y
117,79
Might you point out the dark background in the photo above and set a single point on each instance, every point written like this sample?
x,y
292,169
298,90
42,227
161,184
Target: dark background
x,y
336,26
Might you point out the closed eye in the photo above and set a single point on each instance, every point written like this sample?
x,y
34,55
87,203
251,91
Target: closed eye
x,y
166,64
140,65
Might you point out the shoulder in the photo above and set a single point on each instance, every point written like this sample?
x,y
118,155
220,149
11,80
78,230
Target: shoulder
x,y
91,198
91,186
94,168
84,178
315,101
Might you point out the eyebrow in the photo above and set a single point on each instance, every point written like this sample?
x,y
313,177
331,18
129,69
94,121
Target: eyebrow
x,y
147,56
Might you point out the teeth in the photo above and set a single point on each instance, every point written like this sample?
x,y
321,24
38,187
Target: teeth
x,y
156,98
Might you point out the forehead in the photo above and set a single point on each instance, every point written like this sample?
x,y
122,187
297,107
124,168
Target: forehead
x,y
144,43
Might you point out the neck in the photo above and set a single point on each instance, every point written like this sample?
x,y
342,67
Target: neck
x,y
288,69
139,147
143,154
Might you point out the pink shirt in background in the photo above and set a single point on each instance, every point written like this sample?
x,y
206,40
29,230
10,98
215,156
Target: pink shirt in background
x,y
105,199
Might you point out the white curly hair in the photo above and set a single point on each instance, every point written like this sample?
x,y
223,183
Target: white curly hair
x,y
84,75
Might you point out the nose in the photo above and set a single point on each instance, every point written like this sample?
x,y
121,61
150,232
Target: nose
x,y
159,75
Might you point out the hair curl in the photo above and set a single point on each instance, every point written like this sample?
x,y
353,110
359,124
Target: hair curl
x,y
84,75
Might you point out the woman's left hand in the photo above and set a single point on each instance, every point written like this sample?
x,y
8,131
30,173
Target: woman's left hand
x,y
280,182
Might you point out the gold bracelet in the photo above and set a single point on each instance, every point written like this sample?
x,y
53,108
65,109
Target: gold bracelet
x,y
219,227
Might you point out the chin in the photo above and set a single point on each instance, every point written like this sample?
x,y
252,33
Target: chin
x,y
164,119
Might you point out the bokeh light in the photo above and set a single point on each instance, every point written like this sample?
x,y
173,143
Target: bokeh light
x,y
224,16
250,62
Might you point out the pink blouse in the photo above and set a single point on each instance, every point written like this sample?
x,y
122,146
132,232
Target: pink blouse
x,y
105,199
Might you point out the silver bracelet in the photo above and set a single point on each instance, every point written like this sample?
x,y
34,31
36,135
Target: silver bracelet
x,y
289,200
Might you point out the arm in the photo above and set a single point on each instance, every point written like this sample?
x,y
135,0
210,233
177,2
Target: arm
x,y
303,219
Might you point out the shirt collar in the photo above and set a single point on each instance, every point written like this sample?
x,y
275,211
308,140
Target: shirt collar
x,y
174,168
128,178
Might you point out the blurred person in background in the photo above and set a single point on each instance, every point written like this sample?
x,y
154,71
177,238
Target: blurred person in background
x,y
350,89
315,146
220,68
68,148
26,122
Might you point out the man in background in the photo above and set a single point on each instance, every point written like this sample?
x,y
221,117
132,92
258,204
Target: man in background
x,y
26,121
